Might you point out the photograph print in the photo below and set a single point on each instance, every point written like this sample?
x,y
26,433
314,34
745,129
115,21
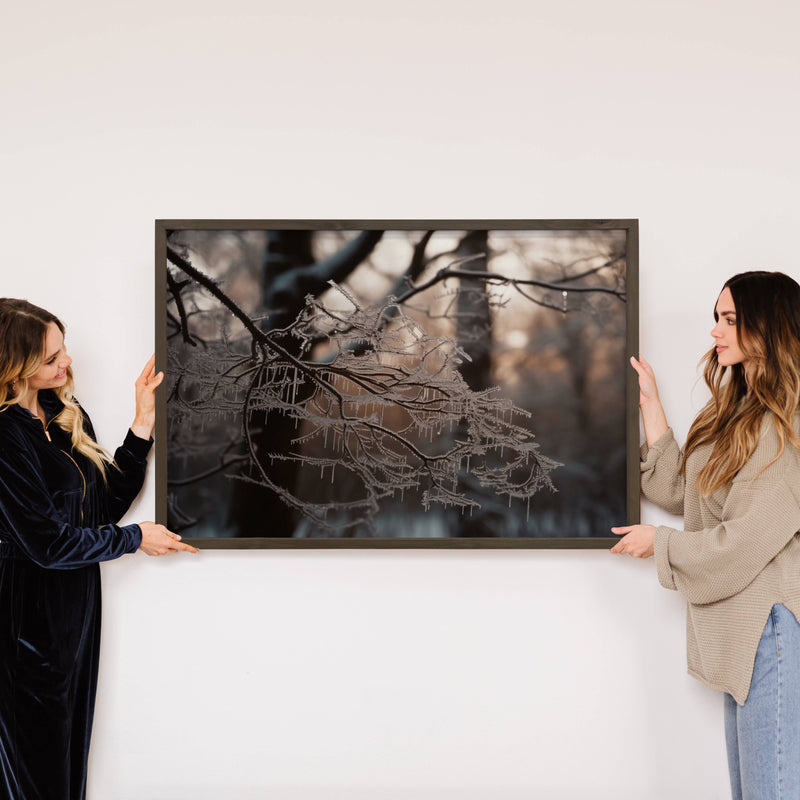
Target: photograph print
x,y
397,383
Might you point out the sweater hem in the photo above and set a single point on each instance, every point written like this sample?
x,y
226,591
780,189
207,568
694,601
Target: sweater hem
x,y
718,687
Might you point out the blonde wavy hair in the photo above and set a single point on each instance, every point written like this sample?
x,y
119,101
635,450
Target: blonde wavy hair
x,y
23,328
768,331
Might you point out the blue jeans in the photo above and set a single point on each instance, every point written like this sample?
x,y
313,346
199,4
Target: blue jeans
x,y
763,735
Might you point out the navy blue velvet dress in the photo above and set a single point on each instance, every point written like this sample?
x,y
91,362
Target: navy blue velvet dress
x,y
57,522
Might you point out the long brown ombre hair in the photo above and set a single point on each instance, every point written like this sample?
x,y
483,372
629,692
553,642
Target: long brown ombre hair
x,y
768,331
23,329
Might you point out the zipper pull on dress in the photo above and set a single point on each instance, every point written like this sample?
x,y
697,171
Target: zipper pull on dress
x,y
44,428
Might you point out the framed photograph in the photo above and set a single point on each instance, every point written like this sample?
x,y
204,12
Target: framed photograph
x,y
397,383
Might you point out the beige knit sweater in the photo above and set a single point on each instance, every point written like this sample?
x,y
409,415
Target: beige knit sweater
x,y
738,556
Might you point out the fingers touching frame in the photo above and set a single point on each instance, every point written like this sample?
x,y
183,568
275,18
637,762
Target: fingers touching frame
x,y
637,540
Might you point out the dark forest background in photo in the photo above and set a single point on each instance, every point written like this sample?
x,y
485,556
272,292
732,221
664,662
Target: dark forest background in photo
x,y
389,383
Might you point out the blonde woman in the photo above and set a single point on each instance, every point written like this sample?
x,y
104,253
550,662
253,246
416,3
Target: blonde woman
x,y
61,497
737,483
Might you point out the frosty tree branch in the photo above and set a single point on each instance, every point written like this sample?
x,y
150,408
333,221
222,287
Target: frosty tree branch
x,y
493,278
396,415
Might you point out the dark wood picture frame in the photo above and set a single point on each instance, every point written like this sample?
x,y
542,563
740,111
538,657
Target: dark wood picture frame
x,y
553,271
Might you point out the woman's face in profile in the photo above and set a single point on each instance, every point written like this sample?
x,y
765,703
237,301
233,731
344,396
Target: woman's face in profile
x,y
53,372
729,351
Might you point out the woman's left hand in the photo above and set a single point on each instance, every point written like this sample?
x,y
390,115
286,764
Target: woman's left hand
x,y
637,540
146,385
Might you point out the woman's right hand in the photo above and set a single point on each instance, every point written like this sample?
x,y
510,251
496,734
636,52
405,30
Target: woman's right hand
x,y
158,541
653,417
648,390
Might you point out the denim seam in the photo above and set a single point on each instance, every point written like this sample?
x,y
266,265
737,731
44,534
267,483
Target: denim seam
x,y
778,702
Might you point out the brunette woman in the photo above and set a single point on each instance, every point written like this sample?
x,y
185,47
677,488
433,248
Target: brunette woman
x,y
61,497
737,562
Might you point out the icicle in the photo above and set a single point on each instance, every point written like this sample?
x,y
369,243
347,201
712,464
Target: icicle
x,y
564,302
528,511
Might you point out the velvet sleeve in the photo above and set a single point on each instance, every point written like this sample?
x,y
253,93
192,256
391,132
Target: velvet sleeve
x,y
36,528
125,480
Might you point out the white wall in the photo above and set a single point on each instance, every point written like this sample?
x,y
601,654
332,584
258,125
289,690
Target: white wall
x,y
394,675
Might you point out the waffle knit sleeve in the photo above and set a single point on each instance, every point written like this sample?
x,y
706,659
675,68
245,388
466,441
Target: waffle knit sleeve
x,y
760,516
661,477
